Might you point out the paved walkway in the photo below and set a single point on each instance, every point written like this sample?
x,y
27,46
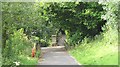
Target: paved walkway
x,y
56,56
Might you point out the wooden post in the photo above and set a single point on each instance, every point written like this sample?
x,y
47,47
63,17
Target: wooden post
x,y
54,43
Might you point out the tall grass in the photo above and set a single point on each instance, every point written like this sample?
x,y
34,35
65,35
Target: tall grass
x,y
103,50
18,49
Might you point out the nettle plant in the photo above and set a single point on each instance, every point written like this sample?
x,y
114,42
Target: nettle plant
x,y
16,45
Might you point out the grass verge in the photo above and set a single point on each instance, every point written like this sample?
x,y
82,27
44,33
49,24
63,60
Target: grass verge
x,y
24,60
97,52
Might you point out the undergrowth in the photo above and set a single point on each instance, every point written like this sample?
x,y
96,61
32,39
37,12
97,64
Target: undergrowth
x,y
101,51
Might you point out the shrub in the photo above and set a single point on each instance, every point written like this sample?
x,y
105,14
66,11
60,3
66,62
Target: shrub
x,y
18,44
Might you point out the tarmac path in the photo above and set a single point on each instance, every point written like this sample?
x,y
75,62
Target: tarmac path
x,y
56,55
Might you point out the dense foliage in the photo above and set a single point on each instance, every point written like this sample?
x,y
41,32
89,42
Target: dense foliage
x,y
25,24
18,27
30,16
104,49
75,19
112,16
17,45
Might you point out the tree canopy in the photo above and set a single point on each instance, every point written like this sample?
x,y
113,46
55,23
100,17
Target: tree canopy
x,y
34,22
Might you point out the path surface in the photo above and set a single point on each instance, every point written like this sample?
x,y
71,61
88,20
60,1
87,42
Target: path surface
x,y
56,56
